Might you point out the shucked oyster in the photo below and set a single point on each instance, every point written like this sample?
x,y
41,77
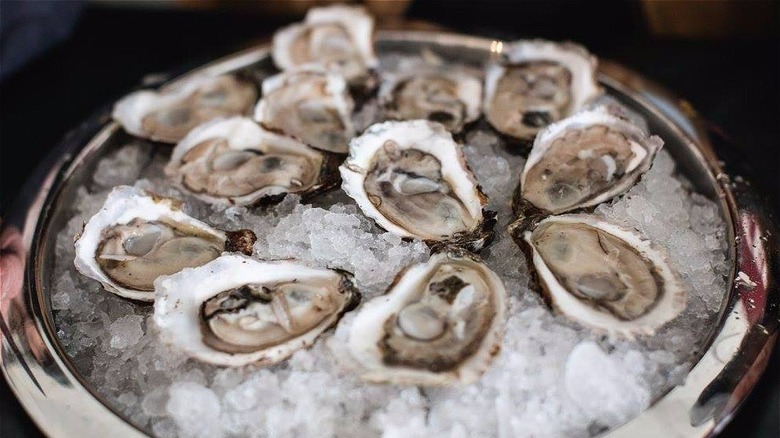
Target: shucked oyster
x,y
236,310
237,161
450,98
412,179
167,115
583,161
538,82
338,38
440,323
138,236
310,105
602,276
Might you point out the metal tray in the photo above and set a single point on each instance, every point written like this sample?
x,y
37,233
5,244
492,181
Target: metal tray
x,y
63,404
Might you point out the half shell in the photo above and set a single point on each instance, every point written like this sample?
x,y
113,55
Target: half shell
x,y
138,236
536,83
236,161
236,310
311,105
338,38
602,276
451,98
169,114
585,160
412,179
440,323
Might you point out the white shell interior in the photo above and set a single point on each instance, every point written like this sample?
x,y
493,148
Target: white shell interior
x,y
670,304
241,133
180,296
422,135
469,89
367,330
576,58
124,204
130,110
336,87
643,147
354,20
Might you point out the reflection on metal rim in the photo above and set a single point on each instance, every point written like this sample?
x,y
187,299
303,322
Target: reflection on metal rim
x,y
56,397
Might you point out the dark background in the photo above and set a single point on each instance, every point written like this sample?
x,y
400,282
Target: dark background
x,y
733,82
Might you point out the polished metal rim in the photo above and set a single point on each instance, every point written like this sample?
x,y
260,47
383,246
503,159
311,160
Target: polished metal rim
x,y
61,403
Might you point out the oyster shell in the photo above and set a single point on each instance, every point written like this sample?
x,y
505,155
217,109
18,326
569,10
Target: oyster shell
x,y
601,275
439,323
168,114
236,161
584,160
236,310
311,105
412,179
138,236
453,99
338,38
615,107
536,83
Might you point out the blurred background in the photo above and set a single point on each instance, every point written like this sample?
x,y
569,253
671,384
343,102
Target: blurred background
x,y
60,61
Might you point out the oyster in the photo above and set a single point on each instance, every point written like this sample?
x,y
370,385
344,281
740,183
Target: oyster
x,y
536,83
440,323
602,276
236,310
585,160
237,161
338,38
412,179
168,114
138,236
311,105
450,98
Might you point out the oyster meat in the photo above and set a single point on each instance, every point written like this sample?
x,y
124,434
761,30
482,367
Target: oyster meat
x,y
138,236
585,160
602,276
236,310
169,114
311,105
338,38
412,179
453,99
536,83
236,161
440,323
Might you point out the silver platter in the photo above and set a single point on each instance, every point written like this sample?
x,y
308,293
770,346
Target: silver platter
x,y
63,405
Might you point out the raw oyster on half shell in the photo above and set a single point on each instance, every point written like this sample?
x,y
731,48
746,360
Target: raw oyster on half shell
x,y
169,114
311,105
338,38
602,276
536,83
137,237
584,160
412,179
237,161
451,98
439,323
236,310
